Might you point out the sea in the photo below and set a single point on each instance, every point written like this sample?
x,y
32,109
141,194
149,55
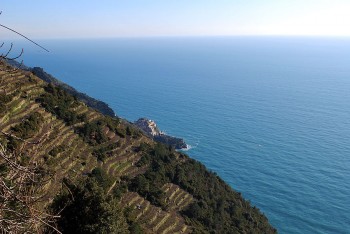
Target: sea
x,y
270,115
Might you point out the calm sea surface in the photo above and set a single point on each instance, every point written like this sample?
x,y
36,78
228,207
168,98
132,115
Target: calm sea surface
x,y
269,115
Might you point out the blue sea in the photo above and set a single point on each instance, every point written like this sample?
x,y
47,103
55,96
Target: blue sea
x,y
270,115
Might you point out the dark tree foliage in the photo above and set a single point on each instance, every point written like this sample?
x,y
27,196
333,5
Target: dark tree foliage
x,y
147,189
92,133
87,209
12,143
60,103
56,150
103,152
149,184
216,208
102,178
4,99
135,228
112,123
28,127
129,131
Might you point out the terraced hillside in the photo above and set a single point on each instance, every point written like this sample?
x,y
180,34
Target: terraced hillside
x,y
159,189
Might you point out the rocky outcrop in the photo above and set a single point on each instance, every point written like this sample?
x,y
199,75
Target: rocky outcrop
x,y
150,128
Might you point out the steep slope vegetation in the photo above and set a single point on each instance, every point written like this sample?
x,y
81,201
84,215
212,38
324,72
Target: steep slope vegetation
x,y
158,189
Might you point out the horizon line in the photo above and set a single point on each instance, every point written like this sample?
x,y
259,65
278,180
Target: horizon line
x,y
192,36
185,36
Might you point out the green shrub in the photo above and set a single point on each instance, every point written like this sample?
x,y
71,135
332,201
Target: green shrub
x,y
87,209
92,133
29,127
59,102
56,150
102,178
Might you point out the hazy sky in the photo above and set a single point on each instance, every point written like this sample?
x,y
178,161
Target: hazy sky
x,y
115,18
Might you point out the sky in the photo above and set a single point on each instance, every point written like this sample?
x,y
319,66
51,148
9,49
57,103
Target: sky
x,y
152,18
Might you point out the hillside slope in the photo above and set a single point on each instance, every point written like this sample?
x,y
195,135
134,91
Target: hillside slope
x,y
159,189
89,101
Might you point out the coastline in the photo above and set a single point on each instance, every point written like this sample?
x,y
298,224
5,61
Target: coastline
x,y
158,135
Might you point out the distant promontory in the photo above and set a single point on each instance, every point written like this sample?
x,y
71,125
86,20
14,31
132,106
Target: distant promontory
x,y
150,128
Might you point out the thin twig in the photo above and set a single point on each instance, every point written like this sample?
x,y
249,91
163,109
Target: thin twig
x,y
1,25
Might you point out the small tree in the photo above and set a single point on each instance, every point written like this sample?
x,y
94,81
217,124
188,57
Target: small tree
x,y
87,209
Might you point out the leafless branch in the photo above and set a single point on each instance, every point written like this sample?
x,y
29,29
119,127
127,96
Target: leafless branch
x,y
19,197
6,55
1,25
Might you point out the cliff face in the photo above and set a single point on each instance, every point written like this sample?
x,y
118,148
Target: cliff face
x,y
159,190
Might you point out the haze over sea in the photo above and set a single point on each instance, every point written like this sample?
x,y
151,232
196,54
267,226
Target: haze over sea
x,y
270,115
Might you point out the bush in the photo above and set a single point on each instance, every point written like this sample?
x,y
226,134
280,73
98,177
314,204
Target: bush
x,y
102,178
59,102
55,151
87,209
92,133
29,127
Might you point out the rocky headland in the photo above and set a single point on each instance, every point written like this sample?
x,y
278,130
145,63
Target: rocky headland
x,y
150,128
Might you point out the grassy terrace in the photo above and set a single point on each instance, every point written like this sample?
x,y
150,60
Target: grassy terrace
x,y
124,156
176,199
153,218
